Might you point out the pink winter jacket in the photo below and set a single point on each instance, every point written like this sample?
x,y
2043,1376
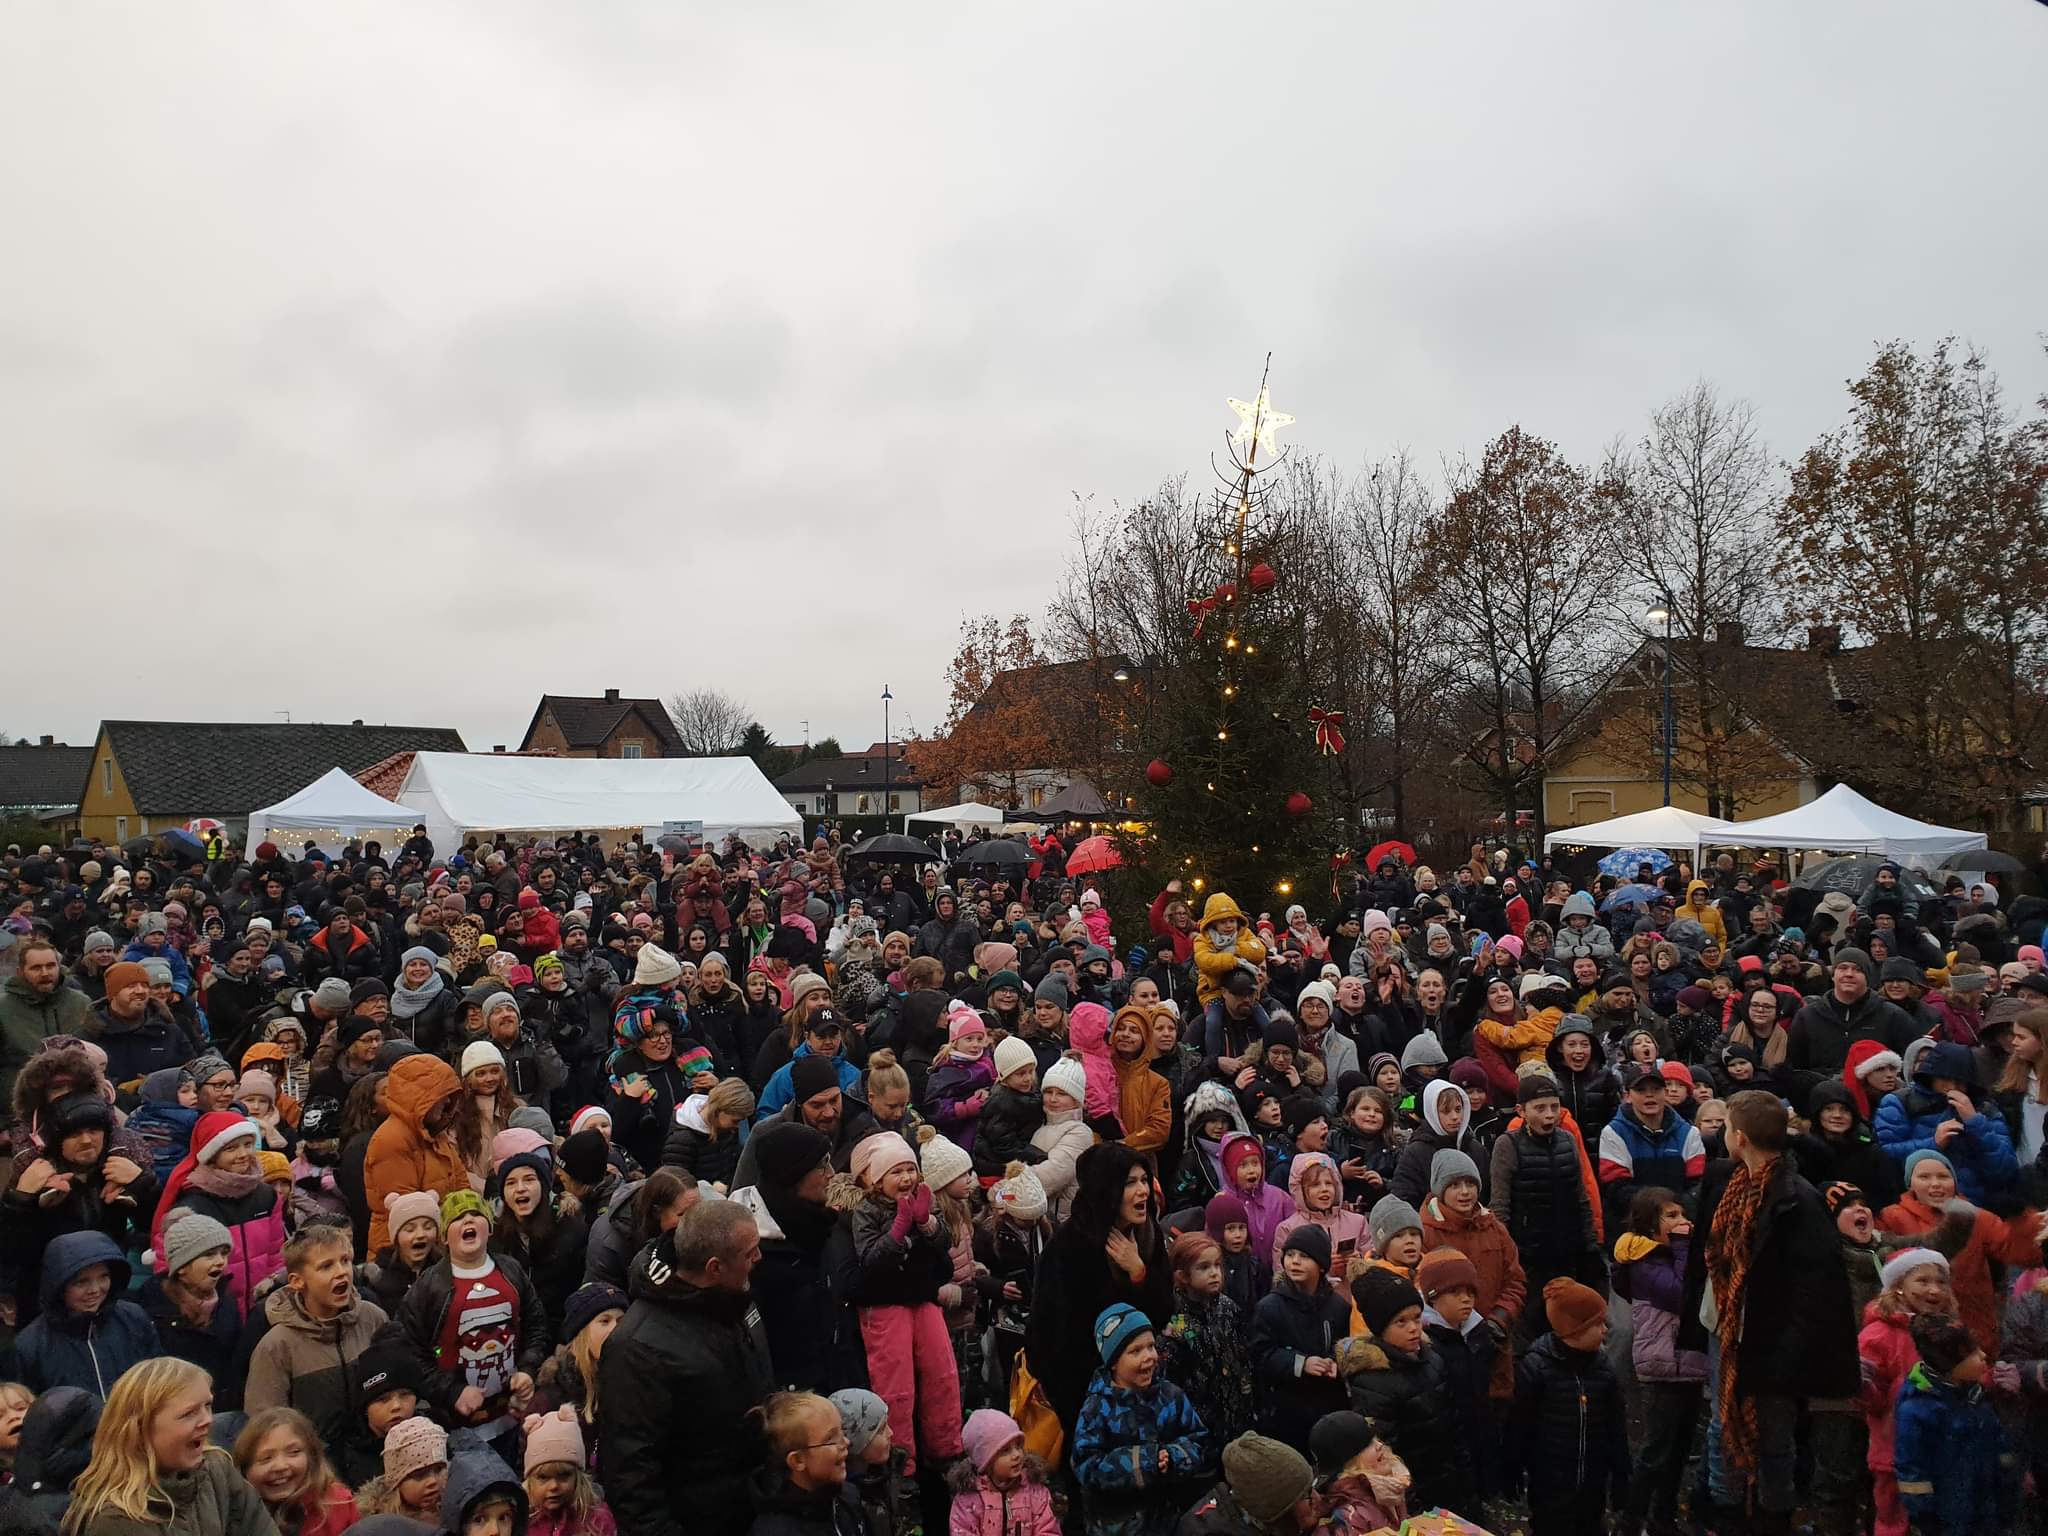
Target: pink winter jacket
x,y
1886,1348
1347,1229
985,1510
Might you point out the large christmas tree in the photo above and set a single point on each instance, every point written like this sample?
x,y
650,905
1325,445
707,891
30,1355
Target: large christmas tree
x,y
1229,801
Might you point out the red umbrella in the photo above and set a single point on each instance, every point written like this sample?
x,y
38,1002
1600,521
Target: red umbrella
x,y
1092,854
1402,851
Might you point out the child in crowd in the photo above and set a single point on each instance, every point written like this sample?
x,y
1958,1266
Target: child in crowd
x,y
415,1475
220,1177
1366,1146
1295,1331
961,1080
948,1171
1013,1114
1203,1348
88,1332
1245,1276
15,1400
1212,1114
1139,1446
1318,1194
905,1258
804,1491
315,1328
1009,1239
1396,1378
1396,1241
2026,1355
1244,1175
1956,1470
1449,1283
1930,1203
415,1223
1453,1217
1649,1274
385,1382
475,1324
1915,1284
874,1462
1568,1434
1361,1485
559,1493
483,1497
1000,1488
280,1455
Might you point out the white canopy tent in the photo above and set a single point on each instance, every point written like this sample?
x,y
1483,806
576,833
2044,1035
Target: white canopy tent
x,y
966,814
1665,827
334,808
1842,821
461,792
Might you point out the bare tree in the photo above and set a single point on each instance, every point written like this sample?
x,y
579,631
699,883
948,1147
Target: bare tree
x,y
711,724
1700,493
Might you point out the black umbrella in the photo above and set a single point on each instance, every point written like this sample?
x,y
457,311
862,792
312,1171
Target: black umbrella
x,y
139,847
1987,860
674,842
894,848
1854,873
997,853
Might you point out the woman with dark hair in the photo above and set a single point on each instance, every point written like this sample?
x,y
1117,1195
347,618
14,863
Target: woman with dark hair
x,y
546,1233
814,1338
1110,1250
637,1215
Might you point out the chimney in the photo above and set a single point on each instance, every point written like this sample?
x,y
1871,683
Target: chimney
x,y
355,722
1728,632
1824,638
46,742
611,695
500,747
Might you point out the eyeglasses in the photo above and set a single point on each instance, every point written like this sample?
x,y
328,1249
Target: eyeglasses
x,y
836,1443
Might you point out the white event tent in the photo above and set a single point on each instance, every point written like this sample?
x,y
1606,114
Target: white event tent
x,y
1842,821
462,792
966,814
334,808
1665,827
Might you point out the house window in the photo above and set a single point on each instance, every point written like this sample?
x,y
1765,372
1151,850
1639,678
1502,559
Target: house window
x,y
860,806
632,749
824,805
895,802
1037,795
120,829
106,775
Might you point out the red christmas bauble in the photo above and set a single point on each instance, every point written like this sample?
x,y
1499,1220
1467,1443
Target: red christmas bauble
x,y
1226,591
1159,773
1263,576
1299,804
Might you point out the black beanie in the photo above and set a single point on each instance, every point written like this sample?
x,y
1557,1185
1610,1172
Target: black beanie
x,y
1310,1240
810,1076
1336,1438
787,1150
583,1157
1382,1295
1943,1342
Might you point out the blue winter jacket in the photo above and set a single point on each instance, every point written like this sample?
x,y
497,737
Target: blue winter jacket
x,y
63,1349
1117,1441
776,1094
1982,1155
1956,1469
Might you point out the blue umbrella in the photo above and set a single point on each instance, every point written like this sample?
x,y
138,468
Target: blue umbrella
x,y
1624,862
1630,895
185,842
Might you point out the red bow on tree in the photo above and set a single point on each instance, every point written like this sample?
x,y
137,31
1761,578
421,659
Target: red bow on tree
x,y
1327,722
1199,609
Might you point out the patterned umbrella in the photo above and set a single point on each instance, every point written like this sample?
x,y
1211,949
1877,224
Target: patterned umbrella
x,y
1624,862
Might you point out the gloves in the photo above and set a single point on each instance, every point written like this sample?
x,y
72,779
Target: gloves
x,y
921,1204
1499,1331
905,1219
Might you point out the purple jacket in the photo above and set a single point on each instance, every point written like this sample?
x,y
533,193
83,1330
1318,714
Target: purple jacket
x,y
1650,1277
947,1091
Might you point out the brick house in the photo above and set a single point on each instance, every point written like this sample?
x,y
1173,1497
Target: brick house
x,y
611,726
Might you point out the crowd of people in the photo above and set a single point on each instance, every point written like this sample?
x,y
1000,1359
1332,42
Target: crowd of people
x,y
579,1190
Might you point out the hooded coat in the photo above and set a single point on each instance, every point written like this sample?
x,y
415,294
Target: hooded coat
x,y
475,1472
1569,942
1347,1229
305,1363
62,1348
1144,1101
1411,1174
1907,1122
1854,1157
1265,1205
1212,963
1591,1097
403,1156
678,1377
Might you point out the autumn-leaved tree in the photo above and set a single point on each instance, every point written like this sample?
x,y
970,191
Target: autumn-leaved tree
x,y
999,725
1917,526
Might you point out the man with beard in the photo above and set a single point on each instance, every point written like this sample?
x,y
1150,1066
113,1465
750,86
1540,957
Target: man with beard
x,y
816,1101
235,998
414,1149
138,1034
34,1005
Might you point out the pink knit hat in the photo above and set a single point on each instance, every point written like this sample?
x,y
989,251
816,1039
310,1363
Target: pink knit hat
x,y
963,1020
412,1446
985,1433
399,1209
510,1143
878,1153
555,1437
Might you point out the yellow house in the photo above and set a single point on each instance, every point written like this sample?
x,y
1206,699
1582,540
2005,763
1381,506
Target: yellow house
x,y
147,776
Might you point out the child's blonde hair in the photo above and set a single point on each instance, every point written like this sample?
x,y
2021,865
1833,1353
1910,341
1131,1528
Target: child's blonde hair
x,y
123,1477
783,1419
320,1475
581,1502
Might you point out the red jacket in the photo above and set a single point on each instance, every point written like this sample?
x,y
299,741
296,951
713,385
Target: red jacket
x,y
1969,1272
1502,1286
1183,943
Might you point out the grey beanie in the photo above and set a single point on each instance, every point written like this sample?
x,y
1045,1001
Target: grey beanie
x,y
1435,931
1051,990
158,970
99,939
152,922
1391,1216
861,1417
500,1000
332,995
188,1234
1447,1167
531,1117
1860,959
1425,1050
419,952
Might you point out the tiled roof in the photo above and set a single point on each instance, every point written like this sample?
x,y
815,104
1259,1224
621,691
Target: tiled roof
x,y
38,776
231,770
1058,684
859,771
586,723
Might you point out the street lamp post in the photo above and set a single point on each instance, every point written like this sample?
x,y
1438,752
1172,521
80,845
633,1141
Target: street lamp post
x,y
886,696
1662,611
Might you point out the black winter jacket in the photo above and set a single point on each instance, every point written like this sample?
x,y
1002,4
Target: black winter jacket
x,y
1567,1430
1409,1398
783,1509
1539,1196
425,1307
1290,1326
678,1378
692,1149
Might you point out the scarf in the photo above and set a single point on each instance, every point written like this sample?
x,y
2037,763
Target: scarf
x,y
224,1185
1729,1248
406,1002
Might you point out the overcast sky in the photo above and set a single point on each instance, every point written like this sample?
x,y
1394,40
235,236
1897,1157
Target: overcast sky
x,y
404,362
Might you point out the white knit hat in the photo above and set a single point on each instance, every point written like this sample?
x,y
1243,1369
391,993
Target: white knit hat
x,y
941,1161
656,967
480,1053
1069,1076
1317,989
1018,1193
1012,1055
1905,1261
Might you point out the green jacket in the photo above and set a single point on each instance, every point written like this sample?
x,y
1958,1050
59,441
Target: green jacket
x,y
27,1019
